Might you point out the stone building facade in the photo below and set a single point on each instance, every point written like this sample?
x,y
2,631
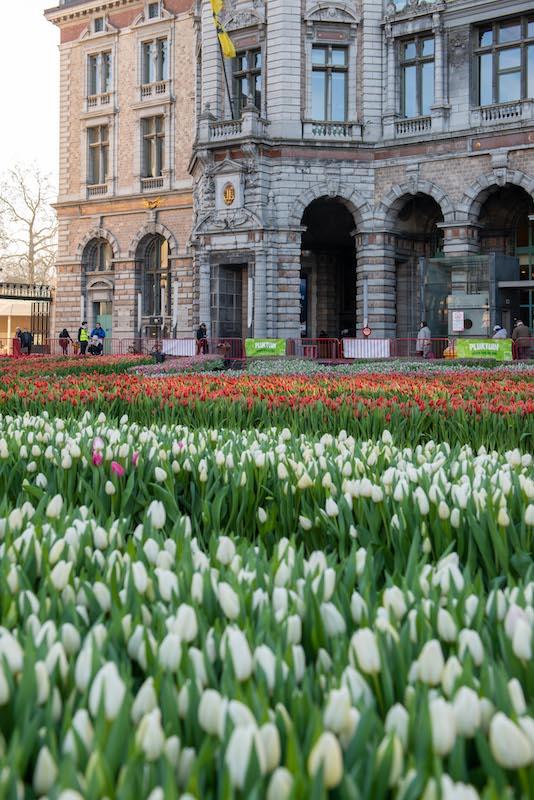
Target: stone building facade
x,y
359,163
361,142
127,113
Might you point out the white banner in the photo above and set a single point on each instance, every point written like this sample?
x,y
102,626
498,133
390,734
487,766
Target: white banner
x,y
179,347
366,348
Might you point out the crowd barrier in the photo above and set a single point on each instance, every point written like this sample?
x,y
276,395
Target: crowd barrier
x,y
233,349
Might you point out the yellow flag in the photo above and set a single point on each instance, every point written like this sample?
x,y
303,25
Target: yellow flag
x,y
217,6
226,44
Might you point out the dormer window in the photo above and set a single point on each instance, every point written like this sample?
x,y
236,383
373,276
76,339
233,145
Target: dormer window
x,y
98,24
154,10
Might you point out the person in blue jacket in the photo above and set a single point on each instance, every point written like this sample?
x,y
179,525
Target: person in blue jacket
x,y
100,333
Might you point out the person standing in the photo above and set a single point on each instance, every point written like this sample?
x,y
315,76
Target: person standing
x,y
202,339
26,341
83,337
521,339
423,346
64,339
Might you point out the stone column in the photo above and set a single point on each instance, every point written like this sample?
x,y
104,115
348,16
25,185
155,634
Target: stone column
x,y
260,294
288,285
440,109
204,300
375,265
125,299
460,238
390,110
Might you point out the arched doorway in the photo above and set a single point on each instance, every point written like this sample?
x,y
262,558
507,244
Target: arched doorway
x,y
154,285
98,286
415,221
328,271
505,228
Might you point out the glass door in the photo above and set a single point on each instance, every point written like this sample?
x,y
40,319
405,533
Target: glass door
x,y
103,313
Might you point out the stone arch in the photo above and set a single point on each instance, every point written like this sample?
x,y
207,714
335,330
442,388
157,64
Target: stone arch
x,y
331,190
98,233
333,10
474,198
100,283
151,229
389,207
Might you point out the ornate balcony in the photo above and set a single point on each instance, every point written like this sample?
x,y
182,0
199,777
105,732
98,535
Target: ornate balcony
x,y
156,89
97,190
413,126
152,184
333,131
98,100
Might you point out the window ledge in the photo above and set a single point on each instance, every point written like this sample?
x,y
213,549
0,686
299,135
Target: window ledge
x,y
99,100
501,113
331,131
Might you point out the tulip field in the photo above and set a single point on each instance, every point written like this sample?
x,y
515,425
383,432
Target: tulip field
x,y
230,587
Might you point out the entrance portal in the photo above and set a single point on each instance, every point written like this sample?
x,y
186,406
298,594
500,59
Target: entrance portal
x,y
328,271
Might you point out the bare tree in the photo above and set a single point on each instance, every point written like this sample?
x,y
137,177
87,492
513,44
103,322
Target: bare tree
x,y
27,226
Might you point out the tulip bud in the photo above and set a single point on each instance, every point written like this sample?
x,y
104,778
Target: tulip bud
x,y
365,648
54,507
397,722
443,726
336,713
327,754
466,708
60,575
225,550
108,687
228,600
515,690
211,712
522,641
239,751
170,652
470,641
43,682
333,621
45,773
271,745
150,737
397,761
509,745
430,663
447,629
280,785
240,654
156,514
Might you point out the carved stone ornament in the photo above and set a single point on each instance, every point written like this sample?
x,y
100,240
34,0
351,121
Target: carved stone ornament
x,y
413,7
228,220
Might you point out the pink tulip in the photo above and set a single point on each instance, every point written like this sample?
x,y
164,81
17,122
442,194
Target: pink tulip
x,y
135,458
98,443
118,469
98,458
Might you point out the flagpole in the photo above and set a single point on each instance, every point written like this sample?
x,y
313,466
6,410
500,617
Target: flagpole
x,y
216,23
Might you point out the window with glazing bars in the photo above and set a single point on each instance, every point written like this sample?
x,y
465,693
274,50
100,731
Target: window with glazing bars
x,y
505,61
153,129
155,66
247,79
417,76
99,74
329,83
98,155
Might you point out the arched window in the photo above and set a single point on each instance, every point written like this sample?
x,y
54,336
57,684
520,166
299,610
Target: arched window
x,y
156,281
98,256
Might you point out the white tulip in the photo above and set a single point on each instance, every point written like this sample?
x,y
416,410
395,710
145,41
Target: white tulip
x,y
11,650
453,669
447,629
240,654
43,682
228,600
515,690
358,607
469,640
225,550
397,761
280,785
140,576
299,661
365,648
240,714
211,712
331,508
467,714
395,602
103,595
430,663
443,726
45,773
529,515
326,753
265,660
160,475
150,737
4,689
107,687
54,507
271,745
294,629
156,514
156,794
522,640
333,621
239,752
170,652
510,746
336,713
167,583
397,722
186,625
60,575
145,701
70,638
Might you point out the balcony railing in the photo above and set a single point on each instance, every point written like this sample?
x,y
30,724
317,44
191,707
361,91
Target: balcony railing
x,y
501,112
24,291
226,129
331,130
156,89
414,126
152,184
97,189
97,100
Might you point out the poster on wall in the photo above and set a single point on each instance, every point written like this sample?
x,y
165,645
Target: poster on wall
x,y
500,349
458,321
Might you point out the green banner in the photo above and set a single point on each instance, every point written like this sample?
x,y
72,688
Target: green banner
x,y
500,349
265,347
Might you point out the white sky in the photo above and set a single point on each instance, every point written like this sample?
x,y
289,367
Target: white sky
x,y
29,66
